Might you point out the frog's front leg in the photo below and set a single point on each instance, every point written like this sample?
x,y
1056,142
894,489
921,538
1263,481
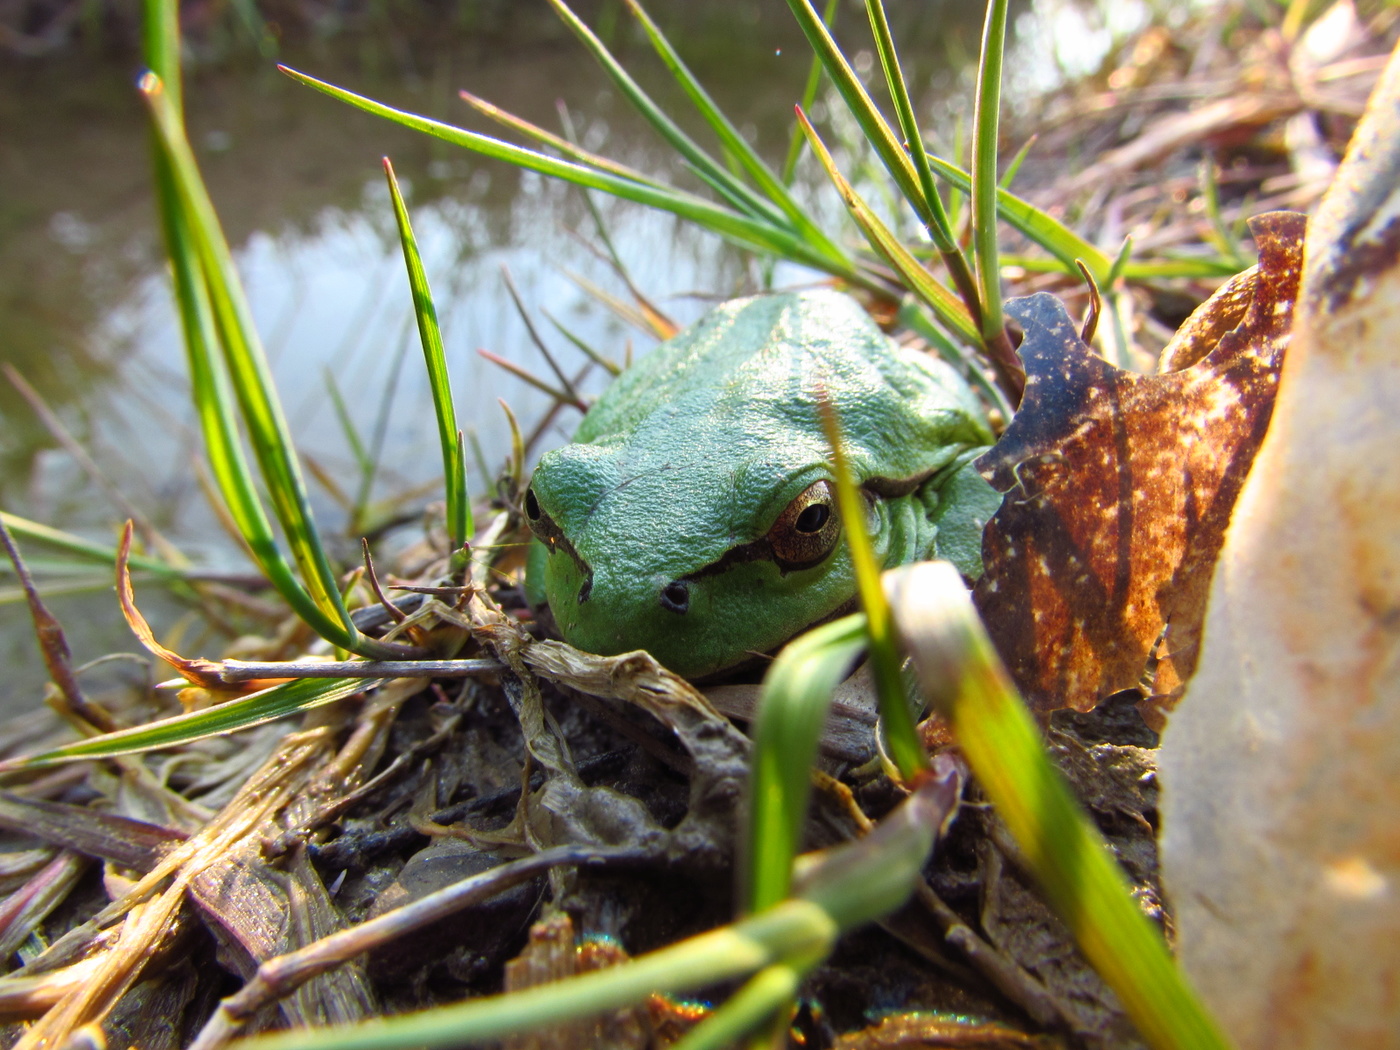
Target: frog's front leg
x,y
957,503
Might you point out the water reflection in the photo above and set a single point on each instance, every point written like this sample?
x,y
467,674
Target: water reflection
x,y
85,313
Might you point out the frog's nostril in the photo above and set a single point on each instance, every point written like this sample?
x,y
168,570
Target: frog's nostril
x,y
676,596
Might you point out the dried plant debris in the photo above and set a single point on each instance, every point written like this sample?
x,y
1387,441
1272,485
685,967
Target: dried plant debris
x,y
1119,488
553,953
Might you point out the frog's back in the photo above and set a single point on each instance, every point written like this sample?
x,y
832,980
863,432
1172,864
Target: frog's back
x,y
771,357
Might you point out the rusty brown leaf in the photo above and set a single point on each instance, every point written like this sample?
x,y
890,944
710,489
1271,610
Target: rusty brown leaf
x,y
1119,488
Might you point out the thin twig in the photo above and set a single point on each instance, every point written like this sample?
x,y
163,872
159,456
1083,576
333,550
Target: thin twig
x,y
244,671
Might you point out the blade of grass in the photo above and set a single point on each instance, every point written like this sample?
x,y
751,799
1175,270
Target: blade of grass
x,y
874,126
740,229
906,748
809,96
1038,226
250,376
212,399
459,512
939,229
963,677
726,184
985,123
734,143
748,1009
543,386
945,305
792,710
66,541
793,929
347,425
607,364
565,148
243,713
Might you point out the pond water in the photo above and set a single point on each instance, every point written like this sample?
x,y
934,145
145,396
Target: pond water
x,y
86,315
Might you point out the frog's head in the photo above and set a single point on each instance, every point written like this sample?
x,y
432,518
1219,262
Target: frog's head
x,y
705,561
694,516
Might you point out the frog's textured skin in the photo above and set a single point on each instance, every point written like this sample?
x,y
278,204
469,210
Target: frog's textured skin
x,y
674,522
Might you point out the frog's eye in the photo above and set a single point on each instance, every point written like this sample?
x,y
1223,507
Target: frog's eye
x,y
808,528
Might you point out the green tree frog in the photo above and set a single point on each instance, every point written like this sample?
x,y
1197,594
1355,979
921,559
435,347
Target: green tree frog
x,y
694,515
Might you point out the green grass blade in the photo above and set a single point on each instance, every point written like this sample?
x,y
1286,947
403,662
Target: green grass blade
x,y
793,929
939,229
962,675
248,371
906,749
363,462
743,198
563,146
243,713
160,41
66,541
945,305
1038,226
792,710
430,334
985,123
874,126
1014,167
213,403
739,229
809,96
734,143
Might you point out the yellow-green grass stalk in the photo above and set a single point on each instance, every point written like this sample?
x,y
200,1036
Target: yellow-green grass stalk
x,y
755,234
454,464
964,679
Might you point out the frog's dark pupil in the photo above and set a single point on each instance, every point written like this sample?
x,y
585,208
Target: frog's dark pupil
x,y
812,518
532,505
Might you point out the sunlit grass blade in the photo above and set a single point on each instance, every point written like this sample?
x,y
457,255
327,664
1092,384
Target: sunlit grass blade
x,y
946,306
906,749
1038,226
740,229
1012,169
809,96
963,677
1188,267
568,149
793,929
459,513
725,183
734,143
940,230
792,710
986,122
243,713
212,278
66,541
873,125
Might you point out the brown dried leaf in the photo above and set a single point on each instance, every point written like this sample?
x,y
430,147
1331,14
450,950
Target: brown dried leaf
x,y
1120,486
203,673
